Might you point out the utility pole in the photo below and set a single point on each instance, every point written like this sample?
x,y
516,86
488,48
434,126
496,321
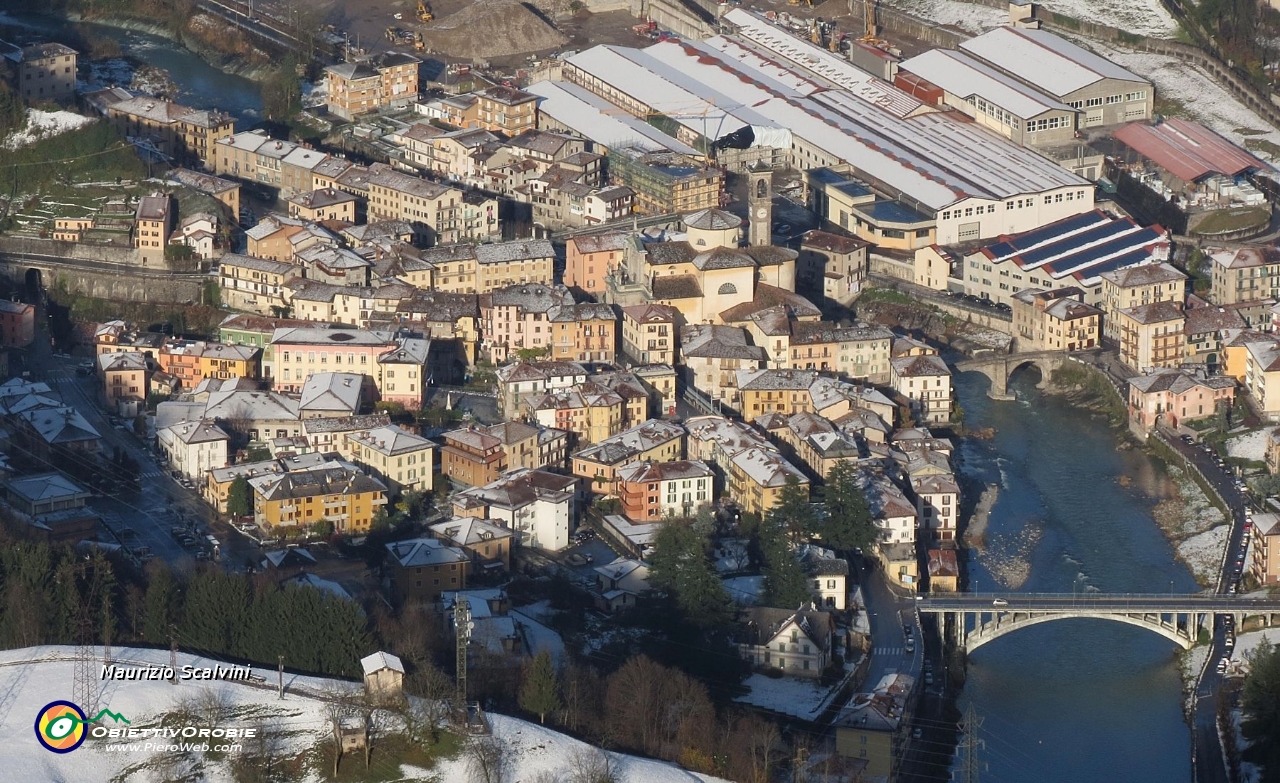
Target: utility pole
x,y
462,627
280,675
969,746
173,656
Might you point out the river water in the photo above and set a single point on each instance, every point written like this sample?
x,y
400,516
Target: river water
x,y
1071,700
200,85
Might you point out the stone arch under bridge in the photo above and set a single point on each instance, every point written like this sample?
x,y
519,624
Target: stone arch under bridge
x,y
1182,629
999,368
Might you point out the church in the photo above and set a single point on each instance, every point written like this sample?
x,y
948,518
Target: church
x,y
709,276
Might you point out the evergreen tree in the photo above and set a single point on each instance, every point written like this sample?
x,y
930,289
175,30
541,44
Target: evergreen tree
x,y
1260,701
793,512
785,583
847,524
240,498
680,568
540,690
160,606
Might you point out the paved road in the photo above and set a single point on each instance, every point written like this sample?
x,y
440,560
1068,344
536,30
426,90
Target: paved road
x,y
1102,602
161,503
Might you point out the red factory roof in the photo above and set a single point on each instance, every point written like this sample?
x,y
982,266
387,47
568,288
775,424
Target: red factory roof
x,y
1187,150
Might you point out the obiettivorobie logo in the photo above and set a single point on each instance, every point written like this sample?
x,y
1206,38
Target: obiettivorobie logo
x,y
61,726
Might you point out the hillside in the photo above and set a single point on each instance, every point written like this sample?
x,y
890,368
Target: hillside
x,y
297,726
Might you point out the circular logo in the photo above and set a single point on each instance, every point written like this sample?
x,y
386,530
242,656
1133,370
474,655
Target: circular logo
x,y
60,726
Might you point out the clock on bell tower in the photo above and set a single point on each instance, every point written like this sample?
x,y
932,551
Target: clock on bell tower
x,y
759,204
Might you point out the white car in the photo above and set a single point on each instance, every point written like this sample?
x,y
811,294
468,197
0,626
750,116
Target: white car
x,y
999,602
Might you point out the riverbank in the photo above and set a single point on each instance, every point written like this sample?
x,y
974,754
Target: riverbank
x,y
258,67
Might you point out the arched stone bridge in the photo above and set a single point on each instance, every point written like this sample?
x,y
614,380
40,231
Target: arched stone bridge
x,y
1000,367
973,620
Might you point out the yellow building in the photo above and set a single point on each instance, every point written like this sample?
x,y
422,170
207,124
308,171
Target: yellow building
x,y
1134,286
1056,320
391,79
255,284
503,264
775,391
649,333
152,224
324,204
756,478
124,381
230,361
1151,335
656,440
342,495
401,459
179,131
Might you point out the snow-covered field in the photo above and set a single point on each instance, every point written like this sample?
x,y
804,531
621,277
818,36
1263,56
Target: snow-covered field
x,y
541,638
1251,445
804,699
31,678
44,124
1203,553
1141,17
970,17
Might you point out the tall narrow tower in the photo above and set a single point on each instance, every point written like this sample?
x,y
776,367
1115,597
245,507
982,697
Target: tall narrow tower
x,y
760,204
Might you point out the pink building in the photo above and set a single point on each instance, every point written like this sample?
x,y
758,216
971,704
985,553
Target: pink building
x,y
519,317
17,324
1172,397
397,365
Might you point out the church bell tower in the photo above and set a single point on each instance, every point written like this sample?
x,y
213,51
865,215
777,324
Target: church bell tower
x,y
760,204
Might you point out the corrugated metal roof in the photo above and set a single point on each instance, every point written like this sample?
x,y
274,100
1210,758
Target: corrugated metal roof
x,y
965,76
1043,59
1187,150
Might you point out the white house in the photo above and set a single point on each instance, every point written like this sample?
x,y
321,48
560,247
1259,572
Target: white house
x,y
894,516
193,448
828,577
800,643
926,382
536,505
620,583
938,505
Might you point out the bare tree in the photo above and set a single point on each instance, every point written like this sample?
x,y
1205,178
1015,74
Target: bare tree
x,y
592,765
488,759
547,776
430,691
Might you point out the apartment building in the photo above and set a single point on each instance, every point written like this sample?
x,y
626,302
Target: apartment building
x,y
1265,546
650,333
423,568
583,332
152,225
1056,320
1245,274
255,284
335,492
656,440
401,460
45,71
925,381
1152,335
589,259
516,318
652,491
756,478
125,380
179,131
388,80
1135,286
1173,397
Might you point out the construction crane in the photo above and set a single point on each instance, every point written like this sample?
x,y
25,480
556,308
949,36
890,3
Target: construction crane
x,y
870,28
424,12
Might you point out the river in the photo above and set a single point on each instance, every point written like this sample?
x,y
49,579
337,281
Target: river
x,y
1071,700
200,85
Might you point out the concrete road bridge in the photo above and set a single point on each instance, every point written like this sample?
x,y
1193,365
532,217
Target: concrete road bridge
x,y
974,620
1000,367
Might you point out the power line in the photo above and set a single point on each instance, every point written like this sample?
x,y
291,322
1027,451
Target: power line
x,y
970,744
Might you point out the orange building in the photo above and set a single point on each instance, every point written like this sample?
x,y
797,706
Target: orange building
x,y
588,260
472,456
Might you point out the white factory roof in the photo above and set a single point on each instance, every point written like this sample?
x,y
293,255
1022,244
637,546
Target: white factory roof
x,y
1041,58
601,121
930,158
966,77
667,89
816,60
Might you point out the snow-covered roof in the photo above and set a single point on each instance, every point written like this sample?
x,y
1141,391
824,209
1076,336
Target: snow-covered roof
x,y
1046,60
966,77
379,661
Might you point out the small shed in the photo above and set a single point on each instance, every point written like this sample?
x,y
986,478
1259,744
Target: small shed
x,y
383,675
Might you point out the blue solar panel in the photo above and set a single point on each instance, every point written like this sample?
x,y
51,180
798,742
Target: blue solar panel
x,y
1119,262
1064,226
1069,244
1137,241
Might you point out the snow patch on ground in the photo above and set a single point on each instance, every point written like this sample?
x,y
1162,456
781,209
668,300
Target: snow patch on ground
x,y
43,125
1192,663
1203,98
1141,17
970,17
46,674
1251,445
1246,643
1203,553
799,698
745,590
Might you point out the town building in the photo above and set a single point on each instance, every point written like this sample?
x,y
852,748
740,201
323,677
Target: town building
x,y
589,258
598,464
1172,397
620,584
926,383
1244,274
591,411
423,568
538,507
756,478
178,131
326,204
797,643
335,492
227,192
871,728
520,380
1265,565
255,284
649,334
1152,335
152,225
937,506
54,506
401,460
193,448
1135,286
17,324
44,71
489,545
217,483
831,264
124,382
1056,320
652,491
355,88
829,577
